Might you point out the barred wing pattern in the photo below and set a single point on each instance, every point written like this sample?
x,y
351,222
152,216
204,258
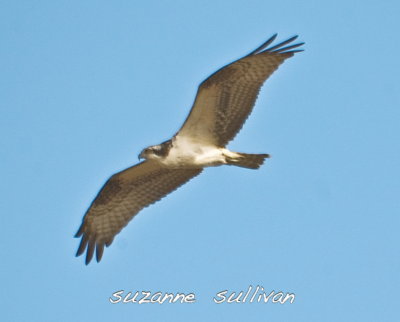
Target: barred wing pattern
x,y
121,198
226,98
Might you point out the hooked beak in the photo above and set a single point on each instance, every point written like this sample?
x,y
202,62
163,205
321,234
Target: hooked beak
x,y
141,155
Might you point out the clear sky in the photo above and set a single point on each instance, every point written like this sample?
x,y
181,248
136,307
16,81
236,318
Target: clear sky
x,y
86,85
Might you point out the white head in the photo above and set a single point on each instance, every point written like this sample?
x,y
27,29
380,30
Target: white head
x,y
156,152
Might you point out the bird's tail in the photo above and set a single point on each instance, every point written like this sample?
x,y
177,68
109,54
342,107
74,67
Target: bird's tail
x,y
246,160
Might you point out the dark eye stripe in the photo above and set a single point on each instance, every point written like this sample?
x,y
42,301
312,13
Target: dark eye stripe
x,y
159,152
163,149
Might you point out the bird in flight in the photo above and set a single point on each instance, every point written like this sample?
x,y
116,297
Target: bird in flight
x,y
223,102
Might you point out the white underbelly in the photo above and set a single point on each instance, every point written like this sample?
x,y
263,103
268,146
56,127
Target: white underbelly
x,y
193,155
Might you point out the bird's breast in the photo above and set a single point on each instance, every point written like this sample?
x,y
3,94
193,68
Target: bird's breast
x,y
189,154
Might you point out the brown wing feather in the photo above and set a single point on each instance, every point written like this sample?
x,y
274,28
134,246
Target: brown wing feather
x,y
121,198
226,98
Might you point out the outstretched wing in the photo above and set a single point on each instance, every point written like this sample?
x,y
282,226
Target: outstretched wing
x,y
226,98
121,198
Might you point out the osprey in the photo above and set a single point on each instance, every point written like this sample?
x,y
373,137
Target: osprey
x,y
223,102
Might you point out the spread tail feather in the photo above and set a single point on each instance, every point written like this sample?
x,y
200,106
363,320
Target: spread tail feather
x,y
246,160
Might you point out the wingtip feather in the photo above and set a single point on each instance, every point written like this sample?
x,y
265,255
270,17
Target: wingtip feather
x,y
278,48
79,233
90,250
264,45
287,48
280,45
82,246
99,251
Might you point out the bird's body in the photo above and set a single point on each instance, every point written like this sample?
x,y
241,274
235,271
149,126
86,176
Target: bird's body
x,y
182,152
223,102
191,154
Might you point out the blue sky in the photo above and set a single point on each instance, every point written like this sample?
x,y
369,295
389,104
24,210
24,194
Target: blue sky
x,y
85,86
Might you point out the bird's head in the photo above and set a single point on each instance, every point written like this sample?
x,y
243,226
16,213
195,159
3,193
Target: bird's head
x,y
155,152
